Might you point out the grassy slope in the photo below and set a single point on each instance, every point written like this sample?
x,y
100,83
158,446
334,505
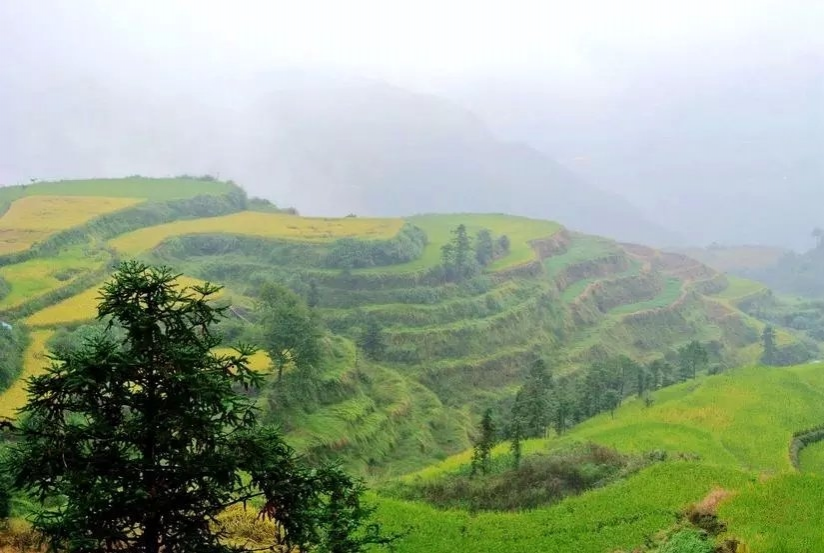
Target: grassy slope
x,y
740,423
36,277
438,228
131,187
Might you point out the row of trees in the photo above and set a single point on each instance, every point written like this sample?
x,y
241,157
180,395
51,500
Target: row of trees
x,y
463,257
544,403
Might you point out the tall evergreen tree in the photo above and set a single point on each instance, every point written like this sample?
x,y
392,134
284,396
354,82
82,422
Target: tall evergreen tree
x,y
313,296
481,454
516,436
484,247
534,402
373,341
693,357
770,355
456,255
139,443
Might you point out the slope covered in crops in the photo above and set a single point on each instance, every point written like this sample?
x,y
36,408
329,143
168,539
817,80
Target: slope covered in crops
x,y
731,431
453,348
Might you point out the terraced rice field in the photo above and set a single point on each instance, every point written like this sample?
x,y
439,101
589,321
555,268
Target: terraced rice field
x,y
669,295
520,231
739,288
736,426
82,307
129,187
35,218
31,279
267,225
35,362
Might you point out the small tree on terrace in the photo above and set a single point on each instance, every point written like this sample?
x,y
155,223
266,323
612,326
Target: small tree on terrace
x,y
290,331
770,355
693,357
373,341
484,247
138,443
481,454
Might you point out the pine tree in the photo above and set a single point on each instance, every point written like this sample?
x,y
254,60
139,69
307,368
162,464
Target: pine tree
x,y
313,296
534,402
481,454
484,247
516,436
770,355
373,341
137,443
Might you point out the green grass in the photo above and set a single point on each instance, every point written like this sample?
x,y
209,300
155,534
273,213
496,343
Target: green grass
x,y
577,288
738,424
137,187
668,295
621,515
438,229
739,288
36,277
779,515
811,458
583,248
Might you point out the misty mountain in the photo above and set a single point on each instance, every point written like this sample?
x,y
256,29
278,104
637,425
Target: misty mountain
x,y
327,144
730,149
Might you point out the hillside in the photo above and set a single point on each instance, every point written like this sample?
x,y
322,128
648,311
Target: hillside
x,y
453,348
732,432
324,142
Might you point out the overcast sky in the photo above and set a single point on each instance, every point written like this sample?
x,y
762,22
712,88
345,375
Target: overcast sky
x,y
675,105
412,42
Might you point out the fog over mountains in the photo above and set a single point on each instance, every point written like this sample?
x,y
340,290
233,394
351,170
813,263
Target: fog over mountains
x,y
328,144
668,126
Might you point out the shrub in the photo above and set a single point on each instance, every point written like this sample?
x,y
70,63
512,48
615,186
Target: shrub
x,y
687,541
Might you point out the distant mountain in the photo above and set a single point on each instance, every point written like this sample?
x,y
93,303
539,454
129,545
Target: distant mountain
x,y
328,144
728,150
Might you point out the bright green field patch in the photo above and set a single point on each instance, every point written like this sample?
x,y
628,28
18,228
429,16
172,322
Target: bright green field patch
x,y
36,277
582,248
150,189
779,515
811,458
577,288
743,418
739,288
670,293
620,515
739,424
438,229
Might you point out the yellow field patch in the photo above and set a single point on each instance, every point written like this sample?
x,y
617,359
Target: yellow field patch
x,y
83,306
34,218
266,225
259,361
34,363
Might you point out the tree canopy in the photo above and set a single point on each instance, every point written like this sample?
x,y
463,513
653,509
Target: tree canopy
x,y
140,439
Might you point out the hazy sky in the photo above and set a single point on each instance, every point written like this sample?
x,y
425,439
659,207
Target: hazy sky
x,y
680,106
419,41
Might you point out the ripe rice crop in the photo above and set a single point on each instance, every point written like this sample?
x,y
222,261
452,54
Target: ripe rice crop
x,y
266,225
33,218
82,307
